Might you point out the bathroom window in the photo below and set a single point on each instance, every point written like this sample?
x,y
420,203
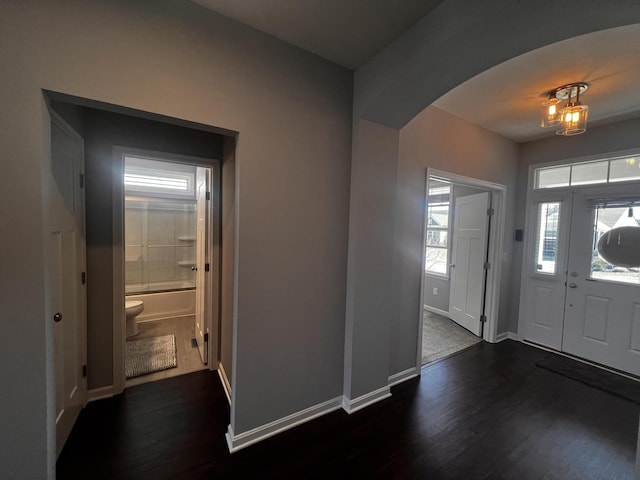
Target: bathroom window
x,y
148,177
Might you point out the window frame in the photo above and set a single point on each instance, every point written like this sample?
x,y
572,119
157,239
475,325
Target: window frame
x,y
436,201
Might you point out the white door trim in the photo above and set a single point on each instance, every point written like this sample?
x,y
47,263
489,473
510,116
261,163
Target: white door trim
x,y
213,320
495,248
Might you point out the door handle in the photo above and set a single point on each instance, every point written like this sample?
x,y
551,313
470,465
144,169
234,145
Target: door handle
x,y
57,317
194,268
453,265
573,285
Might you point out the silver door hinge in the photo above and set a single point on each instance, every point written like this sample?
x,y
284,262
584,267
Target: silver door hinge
x,y
483,318
486,265
84,371
82,180
208,195
490,211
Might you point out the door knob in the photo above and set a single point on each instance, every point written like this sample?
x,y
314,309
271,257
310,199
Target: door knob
x,y
57,317
572,285
453,265
194,268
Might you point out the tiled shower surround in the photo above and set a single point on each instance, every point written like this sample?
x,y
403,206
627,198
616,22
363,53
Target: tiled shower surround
x,y
160,242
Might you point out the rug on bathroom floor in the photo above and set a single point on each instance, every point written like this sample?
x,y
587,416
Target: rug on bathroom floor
x,y
150,354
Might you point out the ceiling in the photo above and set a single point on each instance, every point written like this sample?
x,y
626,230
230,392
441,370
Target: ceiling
x,y
504,99
346,32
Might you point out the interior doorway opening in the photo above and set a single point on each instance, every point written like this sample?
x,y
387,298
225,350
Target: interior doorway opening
x,y
170,264
103,128
462,241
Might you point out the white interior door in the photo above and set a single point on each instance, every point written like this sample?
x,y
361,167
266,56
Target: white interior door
x,y
469,253
202,262
66,281
602,310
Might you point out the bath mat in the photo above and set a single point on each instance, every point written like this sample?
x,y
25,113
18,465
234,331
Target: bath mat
x,y
150,354
595,377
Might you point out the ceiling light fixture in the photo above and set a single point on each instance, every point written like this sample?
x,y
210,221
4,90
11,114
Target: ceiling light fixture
x,y
570,119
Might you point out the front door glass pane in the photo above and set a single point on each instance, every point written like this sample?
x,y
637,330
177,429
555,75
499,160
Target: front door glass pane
x,y
547,237
607,218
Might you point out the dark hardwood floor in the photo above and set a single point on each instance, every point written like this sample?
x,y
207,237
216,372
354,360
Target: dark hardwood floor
x,y
486,413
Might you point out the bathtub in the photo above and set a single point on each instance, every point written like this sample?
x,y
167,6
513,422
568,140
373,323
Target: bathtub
x,y
158,287
178,303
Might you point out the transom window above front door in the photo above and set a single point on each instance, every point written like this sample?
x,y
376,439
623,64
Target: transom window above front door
x,y
611,170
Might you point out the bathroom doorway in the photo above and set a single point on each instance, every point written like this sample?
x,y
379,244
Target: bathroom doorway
x,y
170,268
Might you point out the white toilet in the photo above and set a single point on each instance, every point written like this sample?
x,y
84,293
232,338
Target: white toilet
x,y
132,308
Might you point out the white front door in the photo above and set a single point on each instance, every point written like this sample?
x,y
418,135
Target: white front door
x,y
202,266
572,300
469,254
66,306
544,269
602,309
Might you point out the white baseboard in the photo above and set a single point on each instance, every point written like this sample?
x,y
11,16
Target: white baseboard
x,y
225,381
100,393
351,406
444,313
507,336
502,337
242,440
403,376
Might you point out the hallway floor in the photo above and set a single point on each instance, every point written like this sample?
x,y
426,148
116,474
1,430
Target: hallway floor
x,y
486,413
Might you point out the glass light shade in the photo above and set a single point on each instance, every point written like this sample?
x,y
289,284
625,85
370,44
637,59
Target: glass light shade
x,y
551,113
574,120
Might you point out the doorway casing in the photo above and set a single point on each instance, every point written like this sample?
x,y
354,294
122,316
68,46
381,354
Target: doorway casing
x,y
212,320
495,247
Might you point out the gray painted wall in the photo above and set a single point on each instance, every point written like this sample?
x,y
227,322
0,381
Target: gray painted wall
x,y
369,283
227,274
293,114
103,131
439,140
